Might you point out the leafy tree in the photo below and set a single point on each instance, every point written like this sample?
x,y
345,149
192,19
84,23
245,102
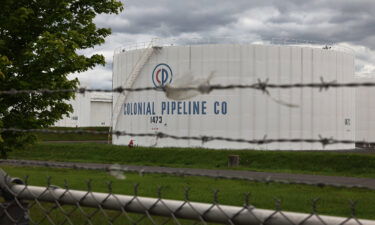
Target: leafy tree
x,y
39,40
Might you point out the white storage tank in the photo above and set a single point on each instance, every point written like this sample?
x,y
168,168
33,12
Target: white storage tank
x,y
93,109
80,115
365,111
246,114
101,109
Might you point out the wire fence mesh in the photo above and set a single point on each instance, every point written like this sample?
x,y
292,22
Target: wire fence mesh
x,y
26,204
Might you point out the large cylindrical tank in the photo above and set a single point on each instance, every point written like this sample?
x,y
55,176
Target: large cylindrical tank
x,y
365,112
246,114
80,117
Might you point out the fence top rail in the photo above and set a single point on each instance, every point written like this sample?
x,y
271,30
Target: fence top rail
x,y
204,212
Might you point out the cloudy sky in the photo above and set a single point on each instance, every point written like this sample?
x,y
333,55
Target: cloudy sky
x,y
348,23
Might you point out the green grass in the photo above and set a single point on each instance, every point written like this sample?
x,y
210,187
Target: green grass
x,y
333,201
74,137
323,163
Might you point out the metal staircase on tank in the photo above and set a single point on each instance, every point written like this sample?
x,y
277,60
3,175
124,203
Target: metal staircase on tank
x,y
137,69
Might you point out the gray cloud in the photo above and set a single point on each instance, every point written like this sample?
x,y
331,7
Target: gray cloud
x,y
341,21
337,20
166,18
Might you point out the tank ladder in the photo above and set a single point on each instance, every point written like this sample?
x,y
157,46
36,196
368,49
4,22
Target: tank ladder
x,y
137,69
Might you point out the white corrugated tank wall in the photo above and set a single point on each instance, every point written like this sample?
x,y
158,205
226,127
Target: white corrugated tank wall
x,y
251,114
80,115
365,111
100,113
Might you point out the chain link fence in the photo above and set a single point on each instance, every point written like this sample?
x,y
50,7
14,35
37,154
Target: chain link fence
x,y
25,204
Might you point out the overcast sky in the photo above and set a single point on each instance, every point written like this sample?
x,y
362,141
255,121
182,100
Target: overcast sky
x,y
350,23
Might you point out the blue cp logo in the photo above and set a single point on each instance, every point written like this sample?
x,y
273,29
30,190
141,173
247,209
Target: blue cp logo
x,y
162,75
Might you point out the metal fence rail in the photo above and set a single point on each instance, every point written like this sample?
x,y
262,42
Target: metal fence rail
x,y
20,198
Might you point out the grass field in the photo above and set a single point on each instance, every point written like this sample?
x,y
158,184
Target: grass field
x,y
74,137
333,201
323,163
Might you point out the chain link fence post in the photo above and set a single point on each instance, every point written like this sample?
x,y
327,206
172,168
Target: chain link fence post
x,y
12,210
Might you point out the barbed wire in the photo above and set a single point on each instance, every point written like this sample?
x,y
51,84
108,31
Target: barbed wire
x,y
203,89
324,141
